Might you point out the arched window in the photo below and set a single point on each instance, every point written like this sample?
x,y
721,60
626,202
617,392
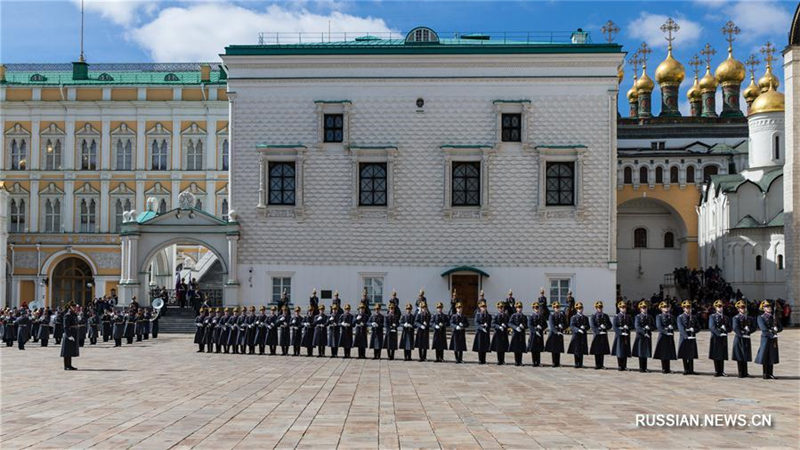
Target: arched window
x,y
690,174
124,160
669,240
758,262
659,175
673,174
52,215
643,172
19,154
52,154
194,155
88,216
88,154
776,147
159,155
162,206
17,216
225,154
627,175
709,171
640,238
780,262
225,209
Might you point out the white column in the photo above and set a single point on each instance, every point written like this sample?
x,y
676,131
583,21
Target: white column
x,y
176,145
139,205
33,206
69,144
232,257
3,243
141,143
210,203
68,207
105,145
105,207
175,188
133,266
262,198
35,149
123,260
211,144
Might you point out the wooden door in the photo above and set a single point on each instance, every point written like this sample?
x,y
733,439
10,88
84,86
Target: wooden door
x,y
466,287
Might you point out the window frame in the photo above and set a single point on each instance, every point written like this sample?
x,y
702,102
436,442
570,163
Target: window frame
x,y
373,191
334,129
563,292
124,135
17,133
122,200
521,107
571,164
282,276
324,107
163,137
282,153
638,236
223,141
373,277
284,190
669,238
576,154
17,220
458,153
192,138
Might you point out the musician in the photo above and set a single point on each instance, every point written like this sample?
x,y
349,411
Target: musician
x,y
320,331
718,347
105,319
687,346
69,346
458,342
390,324
148,319
536,323
518,322
23,326
665,346
250,331
376,322
360,330
313,302
440,321
346,331
139,324
284,336
422,323
334,329
117,329
154,323
44,327
742,327
499,343
199,324
600,324
644,326
770,326
308,328
94,327
35,325
453,302
295,327
407,337
272,330
578,345
557,324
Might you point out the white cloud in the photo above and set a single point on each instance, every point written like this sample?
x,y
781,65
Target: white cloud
x,y
201,31
121,12
647,27
760,19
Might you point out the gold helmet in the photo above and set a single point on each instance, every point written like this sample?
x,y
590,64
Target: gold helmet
x,y
598,304
439,305
741,304
663,305
621,304
718,304
686,304
347,307
643,304
579,305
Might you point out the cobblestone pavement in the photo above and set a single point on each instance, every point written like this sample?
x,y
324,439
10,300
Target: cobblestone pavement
x,y
161,394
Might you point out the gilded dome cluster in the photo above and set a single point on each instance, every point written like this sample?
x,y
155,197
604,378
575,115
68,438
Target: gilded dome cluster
x,y
670,71
769,101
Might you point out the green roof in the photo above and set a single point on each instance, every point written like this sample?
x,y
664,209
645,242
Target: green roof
x,y
731,182
725,149
749,222
176,74
465,269
776,221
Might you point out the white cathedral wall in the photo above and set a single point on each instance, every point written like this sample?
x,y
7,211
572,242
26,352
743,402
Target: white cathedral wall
x,y
516,243
791,210
3,245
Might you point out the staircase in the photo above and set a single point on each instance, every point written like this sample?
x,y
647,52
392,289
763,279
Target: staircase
x,y
177,321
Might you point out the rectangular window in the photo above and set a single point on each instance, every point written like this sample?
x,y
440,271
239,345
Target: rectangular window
x,y
560,184
194,155
158,155
52,215
372,184
88,216
559,289
280,284
88,154
124,154
225,154
19,154
52,154
17,216
281,183
466,187
334,128
511,127
374,287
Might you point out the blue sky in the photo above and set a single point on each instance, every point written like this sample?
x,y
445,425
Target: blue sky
x,y
152,30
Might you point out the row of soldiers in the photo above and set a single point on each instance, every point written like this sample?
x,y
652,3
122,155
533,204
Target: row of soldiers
x,y
21,325
242,330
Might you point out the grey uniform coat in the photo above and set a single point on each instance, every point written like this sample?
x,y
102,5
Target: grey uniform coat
x,y
768,350
742,326
688,326
600,324
665,346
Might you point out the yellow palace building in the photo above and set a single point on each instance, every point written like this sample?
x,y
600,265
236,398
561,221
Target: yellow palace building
x,y
81,145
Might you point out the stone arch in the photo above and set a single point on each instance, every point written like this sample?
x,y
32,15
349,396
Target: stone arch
x,y
153,251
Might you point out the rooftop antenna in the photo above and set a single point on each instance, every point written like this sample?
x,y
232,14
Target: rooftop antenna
x,y
82,58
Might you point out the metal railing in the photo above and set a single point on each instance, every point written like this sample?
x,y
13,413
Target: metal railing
x,y
211,296
391,37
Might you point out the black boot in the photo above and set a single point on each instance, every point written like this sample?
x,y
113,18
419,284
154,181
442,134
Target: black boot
x,y
742,368
643,365
665,366
598,362
556,359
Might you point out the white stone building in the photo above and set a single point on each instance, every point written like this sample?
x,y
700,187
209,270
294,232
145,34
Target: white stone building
x,y
741,216
791,70
424,163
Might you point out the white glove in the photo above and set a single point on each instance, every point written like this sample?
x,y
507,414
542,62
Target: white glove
x,y
519,329
647,327
691,330
374,324
422,327
458,327
581,331
746,328
71,338
670,327
437,327
602,327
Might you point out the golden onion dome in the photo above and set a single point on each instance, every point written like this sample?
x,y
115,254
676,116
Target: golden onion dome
x,y
770,101
694,94
644,83
730,71
752,91
708,83
633,95
767,80
670,71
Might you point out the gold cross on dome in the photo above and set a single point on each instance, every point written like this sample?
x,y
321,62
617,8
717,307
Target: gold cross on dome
x,y
695,62
669,27
768,50
708,53
634,61
752,62
730,30
644,51
610,29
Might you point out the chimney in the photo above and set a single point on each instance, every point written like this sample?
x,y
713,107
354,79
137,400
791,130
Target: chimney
x,y
80,70
205,73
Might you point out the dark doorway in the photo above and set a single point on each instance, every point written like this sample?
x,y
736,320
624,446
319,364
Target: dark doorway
x,y
72,281
467,287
